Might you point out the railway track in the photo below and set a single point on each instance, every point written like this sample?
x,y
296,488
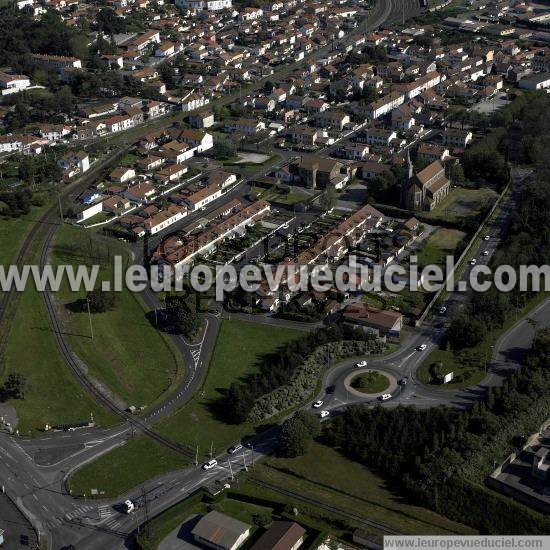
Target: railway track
x,y
324,505
10,299
81,377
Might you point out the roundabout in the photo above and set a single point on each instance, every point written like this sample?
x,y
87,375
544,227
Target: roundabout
x,y
369,383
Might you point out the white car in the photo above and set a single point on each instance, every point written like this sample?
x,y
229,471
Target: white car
x,y
210,464
361,364
317,404
473,261
487,237
442,310
128,506
324,414
385,397
486,253
421,347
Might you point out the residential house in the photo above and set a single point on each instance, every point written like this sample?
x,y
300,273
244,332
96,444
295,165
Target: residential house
x,y
198,139
384,322
282,535
303,135
122,174
315,171
332,118
248,126
13,83
140,192
204,119
457,137
73,163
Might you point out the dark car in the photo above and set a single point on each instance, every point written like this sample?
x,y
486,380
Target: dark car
x,y
403,381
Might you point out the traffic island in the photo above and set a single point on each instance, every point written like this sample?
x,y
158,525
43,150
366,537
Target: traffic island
x,y
370,383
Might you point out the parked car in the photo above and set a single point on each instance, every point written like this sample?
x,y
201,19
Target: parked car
x,y
473,261
442,310
361,364
487,237
317,404
210,464
385,397
486,253
234,448
324,414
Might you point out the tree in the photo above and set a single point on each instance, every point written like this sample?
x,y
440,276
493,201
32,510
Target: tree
x,y
15,386
100,300
435,370
385,188
294,438
328,198
457,174
465,331
167,74
224,149
296,434
182,315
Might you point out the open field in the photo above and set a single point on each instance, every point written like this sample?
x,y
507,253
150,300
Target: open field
x,y
13,232
123,468
440,244
238,351
461,203
53,395
324,474
127,353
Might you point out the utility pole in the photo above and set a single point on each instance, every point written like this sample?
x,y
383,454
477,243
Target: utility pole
x,y
211,448
60,208
230,469
90,318
244,463
197,456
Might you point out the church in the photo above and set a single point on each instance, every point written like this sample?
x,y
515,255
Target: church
x,y
425,190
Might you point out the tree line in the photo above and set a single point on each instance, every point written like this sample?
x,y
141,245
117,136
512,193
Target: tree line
x,y
278,369
424,451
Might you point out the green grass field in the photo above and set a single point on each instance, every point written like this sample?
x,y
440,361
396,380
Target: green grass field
x,y
125,467
127,353
13,232
370,382
324,474
461,203
238,350
441,243
53,395
240,345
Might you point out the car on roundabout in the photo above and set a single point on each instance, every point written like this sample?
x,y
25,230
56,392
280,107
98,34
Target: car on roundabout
x,y
361,364
385,397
